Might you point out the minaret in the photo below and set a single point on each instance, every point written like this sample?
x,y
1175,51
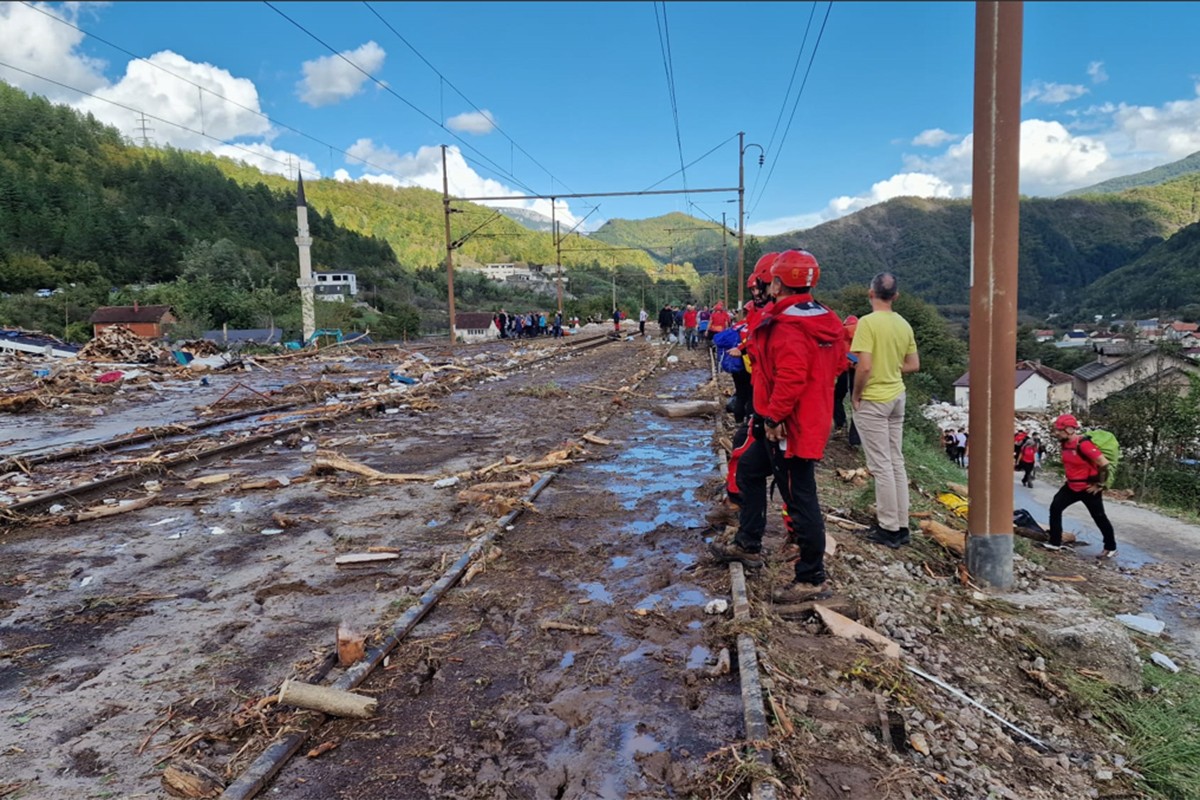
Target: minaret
x,y
304,242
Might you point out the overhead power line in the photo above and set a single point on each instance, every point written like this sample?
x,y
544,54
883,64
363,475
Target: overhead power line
x,y
450,83
795,105
664,45
690,164
494,167
788,92
332,148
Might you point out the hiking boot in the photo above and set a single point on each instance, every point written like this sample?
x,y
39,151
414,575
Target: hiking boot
x,y
797,592
727,553
893,539
1105,555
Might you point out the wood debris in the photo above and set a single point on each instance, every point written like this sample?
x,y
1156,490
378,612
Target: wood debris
x,y
100,512
188,779
119,344
208,480
846,628
353,559
588,437
856,476
327,461
569,627
351,645
690,408
480,565
321,749
330,701
947,537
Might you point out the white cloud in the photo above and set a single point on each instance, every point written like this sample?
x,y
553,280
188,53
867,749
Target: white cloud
x,y
424,168
152,90
1171,130
1052,93
329,79
476,122
33,41
933,137
1095,71
342,176
268,159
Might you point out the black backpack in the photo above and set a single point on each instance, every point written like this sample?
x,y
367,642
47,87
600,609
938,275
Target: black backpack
x,y
1023,519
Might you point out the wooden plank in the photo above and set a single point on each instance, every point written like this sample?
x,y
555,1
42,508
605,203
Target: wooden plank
x,y
364,558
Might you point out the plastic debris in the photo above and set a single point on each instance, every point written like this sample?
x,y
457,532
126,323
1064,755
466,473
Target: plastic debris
x,y
272,531
1164,662
57,508
717,606
1142,623
446,483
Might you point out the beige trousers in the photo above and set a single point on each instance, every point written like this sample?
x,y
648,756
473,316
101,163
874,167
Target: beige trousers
x,y
881,427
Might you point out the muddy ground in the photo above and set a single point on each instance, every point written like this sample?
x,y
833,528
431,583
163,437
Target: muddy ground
x,y
161,635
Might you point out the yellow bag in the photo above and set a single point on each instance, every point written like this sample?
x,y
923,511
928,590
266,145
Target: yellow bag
x,y
956,503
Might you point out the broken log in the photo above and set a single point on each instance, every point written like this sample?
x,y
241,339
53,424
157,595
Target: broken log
x,y
551,625
690,408
352,559
846,628
588,437
333,462
947,537
329,701
188,779
505,486
207,480
1041,536
100,512
351,645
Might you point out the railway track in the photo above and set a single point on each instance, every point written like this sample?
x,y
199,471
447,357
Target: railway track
x,y
192,442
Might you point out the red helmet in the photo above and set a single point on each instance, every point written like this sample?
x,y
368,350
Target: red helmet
x,y
1066,421
762,270
796,269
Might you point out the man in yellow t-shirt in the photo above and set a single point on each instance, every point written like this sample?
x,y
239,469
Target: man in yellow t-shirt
x,y
886,350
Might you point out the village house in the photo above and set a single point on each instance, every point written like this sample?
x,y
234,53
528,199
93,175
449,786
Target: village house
x,y
145,321
1075,338
335,287
1178,331
1118,368
475,326
1043,335
1038,388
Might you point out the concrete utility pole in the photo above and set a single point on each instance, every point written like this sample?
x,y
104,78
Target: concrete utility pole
x,y
995,214
557,249
449,244
741,217
724,259
305,282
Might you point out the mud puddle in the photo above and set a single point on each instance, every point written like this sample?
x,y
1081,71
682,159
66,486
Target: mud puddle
x,y
492,699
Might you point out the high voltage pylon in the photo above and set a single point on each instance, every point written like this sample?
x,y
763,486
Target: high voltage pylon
x,y
145,130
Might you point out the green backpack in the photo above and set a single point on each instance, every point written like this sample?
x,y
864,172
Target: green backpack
x,y
1107,442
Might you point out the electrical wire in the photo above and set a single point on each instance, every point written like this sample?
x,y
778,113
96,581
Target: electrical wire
x,y
690,164
795,105
788,92
494,167
220,96
664,45
450,83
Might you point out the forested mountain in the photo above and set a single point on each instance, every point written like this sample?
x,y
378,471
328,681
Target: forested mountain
x,y
1151,177
1166,278
84,211
670,238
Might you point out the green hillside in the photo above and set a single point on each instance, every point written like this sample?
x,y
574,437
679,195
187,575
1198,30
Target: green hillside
x,y
673,237
1167,277
1151,177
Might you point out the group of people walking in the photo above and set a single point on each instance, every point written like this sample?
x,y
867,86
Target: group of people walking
x,y
527,326
688,323
796,351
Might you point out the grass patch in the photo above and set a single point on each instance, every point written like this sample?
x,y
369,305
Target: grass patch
x,y
1160,727
543,390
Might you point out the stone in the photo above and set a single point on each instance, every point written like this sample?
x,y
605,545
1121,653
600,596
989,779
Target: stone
x,y
1098,644
1142,623
1164,662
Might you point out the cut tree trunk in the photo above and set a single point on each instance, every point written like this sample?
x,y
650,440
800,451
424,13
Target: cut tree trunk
x,y
330,701
691,408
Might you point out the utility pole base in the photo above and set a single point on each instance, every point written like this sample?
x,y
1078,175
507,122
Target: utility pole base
x,y
989,559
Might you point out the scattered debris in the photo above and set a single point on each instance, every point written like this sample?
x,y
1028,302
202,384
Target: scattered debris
x,y
690,408
1164,661
325,699
321,749
208,480
446,483
351,645
584,630
1142,623
188,779
332,462
947,537
723,666
352,559
846,628
118,344
718,606
480,564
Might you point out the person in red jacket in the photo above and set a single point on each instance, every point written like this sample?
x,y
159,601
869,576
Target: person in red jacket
x,y
797,350
689,327
717,322
1086,469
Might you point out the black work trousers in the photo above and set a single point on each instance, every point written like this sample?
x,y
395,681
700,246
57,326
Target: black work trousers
x,y
841,388
795,478
1094,503
743,395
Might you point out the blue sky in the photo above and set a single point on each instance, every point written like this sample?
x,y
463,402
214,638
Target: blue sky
x,y
1111,88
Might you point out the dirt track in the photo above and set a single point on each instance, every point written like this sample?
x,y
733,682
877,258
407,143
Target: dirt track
x,y
157,632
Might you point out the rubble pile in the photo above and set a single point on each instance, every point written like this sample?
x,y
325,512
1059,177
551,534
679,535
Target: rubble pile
x,y
122,346
199,348
949,416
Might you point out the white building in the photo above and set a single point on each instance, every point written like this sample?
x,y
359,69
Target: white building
x,y
335,287
1038,388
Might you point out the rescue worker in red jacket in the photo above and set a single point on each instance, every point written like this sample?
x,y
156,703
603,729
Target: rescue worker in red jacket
x,y
758,283
798,350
